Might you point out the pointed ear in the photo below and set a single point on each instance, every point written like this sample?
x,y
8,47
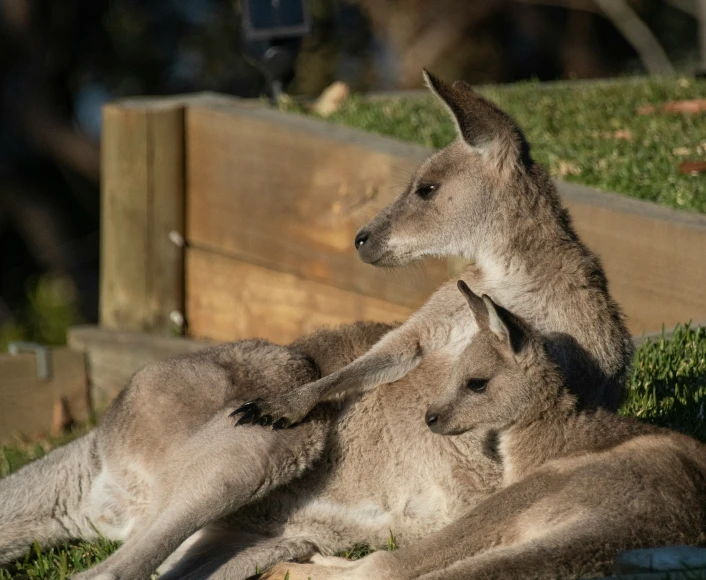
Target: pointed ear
x,y
480,313
509,329
483,126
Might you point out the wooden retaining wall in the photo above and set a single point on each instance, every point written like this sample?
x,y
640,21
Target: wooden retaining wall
x,y
239,220
223,219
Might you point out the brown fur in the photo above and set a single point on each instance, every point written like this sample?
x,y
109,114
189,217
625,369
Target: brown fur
x,y
579,486
491,204
166,463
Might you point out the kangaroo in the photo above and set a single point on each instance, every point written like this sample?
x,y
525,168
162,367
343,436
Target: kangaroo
x,y
162,470
578,486
482,198
163,462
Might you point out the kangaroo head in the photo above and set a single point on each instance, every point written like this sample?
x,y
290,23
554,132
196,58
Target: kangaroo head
x,y
452,202
491,384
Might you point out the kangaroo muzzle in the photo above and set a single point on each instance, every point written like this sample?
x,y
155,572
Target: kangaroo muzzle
x,y
372,246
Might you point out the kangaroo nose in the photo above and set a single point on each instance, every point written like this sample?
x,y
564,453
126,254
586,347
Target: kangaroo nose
x,y
360,239
431,418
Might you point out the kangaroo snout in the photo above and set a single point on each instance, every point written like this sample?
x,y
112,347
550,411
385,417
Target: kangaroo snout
x,y
432,419
360,239
371,244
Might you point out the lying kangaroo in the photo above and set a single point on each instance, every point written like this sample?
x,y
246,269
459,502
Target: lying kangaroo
x,y
482,198
163,467
578,486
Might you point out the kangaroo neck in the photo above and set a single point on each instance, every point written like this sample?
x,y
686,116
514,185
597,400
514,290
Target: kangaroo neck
x,y
514,254
509,279
529,443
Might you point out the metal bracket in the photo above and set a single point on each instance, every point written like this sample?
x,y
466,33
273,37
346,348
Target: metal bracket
x,y
43,356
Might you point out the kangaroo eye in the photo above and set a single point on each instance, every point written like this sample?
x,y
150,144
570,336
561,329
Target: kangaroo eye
x,y
426,191
477,385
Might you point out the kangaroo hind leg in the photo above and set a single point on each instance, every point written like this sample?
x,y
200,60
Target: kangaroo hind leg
x,y
562,553
217,471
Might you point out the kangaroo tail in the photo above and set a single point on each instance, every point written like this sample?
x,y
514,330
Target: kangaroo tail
x,y
46,501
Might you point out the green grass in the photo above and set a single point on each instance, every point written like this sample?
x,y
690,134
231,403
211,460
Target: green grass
x,y
668,388
50,310
586,133
60,562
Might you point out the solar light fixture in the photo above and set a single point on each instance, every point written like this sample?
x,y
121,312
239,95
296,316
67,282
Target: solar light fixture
x,y
268,19
273,28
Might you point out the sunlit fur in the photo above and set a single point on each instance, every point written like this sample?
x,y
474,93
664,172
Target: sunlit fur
x,y
493,205
167,463
579,486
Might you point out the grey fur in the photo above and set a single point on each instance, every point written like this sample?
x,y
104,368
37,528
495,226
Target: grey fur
x,y
493,205
579,486
150,446
166,463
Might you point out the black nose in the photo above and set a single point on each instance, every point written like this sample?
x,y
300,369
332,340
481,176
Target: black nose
x,y
360,239
431,419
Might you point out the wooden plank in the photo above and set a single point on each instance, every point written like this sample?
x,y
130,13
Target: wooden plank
x,y
654,257
28,404
227,299
142,189
113,356
289,193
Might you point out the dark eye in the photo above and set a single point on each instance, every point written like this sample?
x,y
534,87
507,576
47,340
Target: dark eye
x,y
426,191
476,385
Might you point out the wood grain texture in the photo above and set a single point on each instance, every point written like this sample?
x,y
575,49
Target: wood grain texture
x,y
27,403
113,356
227,299
142,194
289,193
654,257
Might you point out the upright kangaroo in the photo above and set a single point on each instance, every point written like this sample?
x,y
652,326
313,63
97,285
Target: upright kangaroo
x,y
578,486
482,198
164,465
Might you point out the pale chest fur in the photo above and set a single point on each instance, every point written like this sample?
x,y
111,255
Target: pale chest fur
x,y
393,474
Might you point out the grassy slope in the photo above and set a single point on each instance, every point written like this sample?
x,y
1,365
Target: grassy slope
x,y
587,133
668,388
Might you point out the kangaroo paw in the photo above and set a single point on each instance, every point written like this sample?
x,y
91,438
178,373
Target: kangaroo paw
x,y
280,413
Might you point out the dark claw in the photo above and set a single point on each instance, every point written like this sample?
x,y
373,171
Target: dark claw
x,y
280,424
265,420
249,417
245,407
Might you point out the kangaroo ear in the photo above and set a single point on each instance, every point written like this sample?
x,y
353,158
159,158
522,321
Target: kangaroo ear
x,y
483,126
509,329
480,313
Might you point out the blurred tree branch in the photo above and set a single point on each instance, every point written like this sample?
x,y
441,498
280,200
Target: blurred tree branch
x,y
583,5
630,25
421,33
689,6
62,143
636,32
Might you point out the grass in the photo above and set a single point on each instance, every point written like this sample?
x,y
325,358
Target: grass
x,y
589,133
667,388
60,562
668,385
50,310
